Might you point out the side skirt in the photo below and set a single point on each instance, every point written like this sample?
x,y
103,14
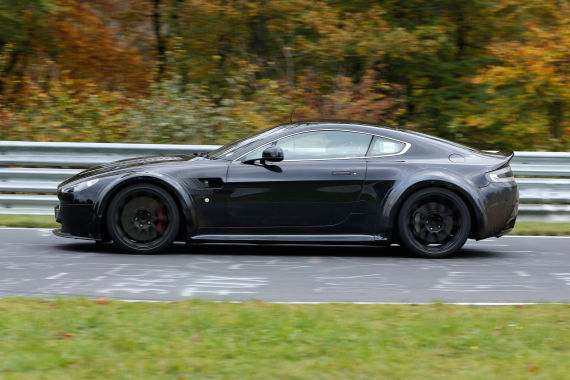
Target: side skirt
x,y
293,238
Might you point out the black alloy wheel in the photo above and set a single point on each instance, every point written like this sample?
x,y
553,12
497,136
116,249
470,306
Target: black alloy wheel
x,y
434,223
143,218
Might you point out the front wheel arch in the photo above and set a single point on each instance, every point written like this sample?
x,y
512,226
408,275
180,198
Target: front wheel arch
x,y
184,205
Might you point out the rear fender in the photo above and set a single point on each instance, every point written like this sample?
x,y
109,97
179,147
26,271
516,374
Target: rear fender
x,y
450,181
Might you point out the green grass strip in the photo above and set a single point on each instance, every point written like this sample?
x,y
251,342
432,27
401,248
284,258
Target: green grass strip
x,y
536,228
43,221
86,339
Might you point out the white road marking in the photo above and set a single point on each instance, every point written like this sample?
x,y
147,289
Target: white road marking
x,y
521,273
54,277
188,292
223,285
358,283
486,245
484,281
562,276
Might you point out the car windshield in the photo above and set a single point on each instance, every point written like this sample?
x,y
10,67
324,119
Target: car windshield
x,y
241,144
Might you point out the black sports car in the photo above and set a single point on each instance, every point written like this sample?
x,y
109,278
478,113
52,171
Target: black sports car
x,y
310,181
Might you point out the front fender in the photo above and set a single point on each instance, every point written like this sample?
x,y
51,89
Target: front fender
x,y
170,184
457,183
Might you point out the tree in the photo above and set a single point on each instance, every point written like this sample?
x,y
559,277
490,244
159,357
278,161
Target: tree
x,y
528,88
24,35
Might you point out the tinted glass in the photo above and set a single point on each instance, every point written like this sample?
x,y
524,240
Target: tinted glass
x,y
243,143
320,145
382,146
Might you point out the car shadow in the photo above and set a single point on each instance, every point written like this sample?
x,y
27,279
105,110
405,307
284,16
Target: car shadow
x,y
241,249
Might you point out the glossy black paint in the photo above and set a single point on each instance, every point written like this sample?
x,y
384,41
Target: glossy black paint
x,y
300,195
355,199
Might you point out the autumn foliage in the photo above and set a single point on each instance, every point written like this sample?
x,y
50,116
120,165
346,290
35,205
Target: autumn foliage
x,y
488,73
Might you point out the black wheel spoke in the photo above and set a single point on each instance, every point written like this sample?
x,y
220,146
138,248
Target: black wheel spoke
x,y
432,237
432,207
435,220
441,235
423,211
143,218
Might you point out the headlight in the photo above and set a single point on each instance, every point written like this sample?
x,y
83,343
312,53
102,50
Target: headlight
x,y
84,185
502,175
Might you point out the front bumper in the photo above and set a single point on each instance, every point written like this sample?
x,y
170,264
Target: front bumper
x,y
77,220
57,232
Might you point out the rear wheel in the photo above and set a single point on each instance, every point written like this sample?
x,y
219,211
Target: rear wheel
x,y
434,223
143,218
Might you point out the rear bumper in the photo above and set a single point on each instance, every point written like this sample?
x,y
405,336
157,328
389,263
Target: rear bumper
x,y
509,226
501,204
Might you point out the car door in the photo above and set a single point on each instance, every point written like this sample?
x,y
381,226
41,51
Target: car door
x,y
316,185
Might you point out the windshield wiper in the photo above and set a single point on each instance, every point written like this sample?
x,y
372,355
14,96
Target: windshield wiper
x,y
201,154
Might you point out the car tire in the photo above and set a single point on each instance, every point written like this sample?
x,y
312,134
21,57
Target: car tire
x,y
143,219
434,223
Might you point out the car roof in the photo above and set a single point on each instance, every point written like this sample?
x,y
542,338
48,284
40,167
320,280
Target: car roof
x,y
420,143
358,126
302,124
399,133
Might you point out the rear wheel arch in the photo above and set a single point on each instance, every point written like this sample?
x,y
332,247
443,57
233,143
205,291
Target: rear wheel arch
x,y
434,222
474,210
183,202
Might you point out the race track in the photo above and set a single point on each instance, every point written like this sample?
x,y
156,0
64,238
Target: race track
x,y
512,269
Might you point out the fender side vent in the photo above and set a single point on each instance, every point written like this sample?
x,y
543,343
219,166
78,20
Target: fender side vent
x,y
212,183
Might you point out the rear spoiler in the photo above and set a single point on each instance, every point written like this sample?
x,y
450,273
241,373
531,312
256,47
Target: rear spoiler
x,y
504,156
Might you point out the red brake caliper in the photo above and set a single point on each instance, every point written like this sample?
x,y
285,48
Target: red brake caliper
x,y
159,214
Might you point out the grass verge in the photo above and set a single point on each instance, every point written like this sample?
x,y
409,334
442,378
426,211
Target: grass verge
x,y
80,339
521,228
43,221
534,228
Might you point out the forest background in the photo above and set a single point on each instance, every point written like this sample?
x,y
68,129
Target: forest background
x,y
488,73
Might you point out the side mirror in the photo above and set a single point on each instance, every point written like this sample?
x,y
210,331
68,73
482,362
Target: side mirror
x,y
272,154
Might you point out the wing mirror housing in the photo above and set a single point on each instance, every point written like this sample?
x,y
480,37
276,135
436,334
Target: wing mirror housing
x,y
272,154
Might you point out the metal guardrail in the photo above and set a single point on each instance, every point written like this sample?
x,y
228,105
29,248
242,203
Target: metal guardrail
x,y
83,155
31,171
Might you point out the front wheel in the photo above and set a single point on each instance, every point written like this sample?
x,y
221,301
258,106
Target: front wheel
x,y
143,218
434,223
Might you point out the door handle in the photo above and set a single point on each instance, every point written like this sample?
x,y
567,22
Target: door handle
x,y
343,172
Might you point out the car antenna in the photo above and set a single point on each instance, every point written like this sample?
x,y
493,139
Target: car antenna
x,y
292,113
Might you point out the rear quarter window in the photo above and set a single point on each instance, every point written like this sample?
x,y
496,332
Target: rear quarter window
x,y
382,146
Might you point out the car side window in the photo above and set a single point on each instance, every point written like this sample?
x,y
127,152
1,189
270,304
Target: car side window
x,y
319,145
381,146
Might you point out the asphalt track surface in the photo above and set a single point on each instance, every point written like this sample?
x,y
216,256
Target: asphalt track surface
x,y
512,269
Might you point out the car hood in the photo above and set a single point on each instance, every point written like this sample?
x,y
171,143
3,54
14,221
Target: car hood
x,y
150,163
